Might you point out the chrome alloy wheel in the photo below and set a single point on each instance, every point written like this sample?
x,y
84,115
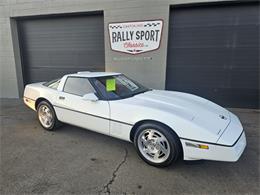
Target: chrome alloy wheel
x,y
153,145
45,116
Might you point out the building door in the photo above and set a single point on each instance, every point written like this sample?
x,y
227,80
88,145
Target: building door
x,y
213,52
53,46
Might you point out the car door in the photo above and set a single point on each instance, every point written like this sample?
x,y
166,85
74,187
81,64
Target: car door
x,y
73,109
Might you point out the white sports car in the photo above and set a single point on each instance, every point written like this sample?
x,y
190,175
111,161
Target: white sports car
x,y
163,125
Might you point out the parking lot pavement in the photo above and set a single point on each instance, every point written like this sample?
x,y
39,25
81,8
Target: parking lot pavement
x,y
73,160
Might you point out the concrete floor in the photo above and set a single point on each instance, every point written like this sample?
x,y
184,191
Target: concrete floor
x,y
72,160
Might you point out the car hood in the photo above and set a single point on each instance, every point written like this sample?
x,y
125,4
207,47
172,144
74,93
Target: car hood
x,y
202,112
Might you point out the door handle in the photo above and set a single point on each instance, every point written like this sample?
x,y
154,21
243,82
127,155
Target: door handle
x,y
61,97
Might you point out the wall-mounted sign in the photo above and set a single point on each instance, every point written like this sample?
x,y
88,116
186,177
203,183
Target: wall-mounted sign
x,y
135,37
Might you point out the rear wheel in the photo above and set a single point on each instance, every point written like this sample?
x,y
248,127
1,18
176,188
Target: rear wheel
x,y
47,116
157,145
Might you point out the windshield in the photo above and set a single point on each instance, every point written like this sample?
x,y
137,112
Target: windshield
x,y
118,87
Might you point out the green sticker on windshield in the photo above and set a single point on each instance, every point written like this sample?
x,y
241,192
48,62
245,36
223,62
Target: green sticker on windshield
x,y
111,84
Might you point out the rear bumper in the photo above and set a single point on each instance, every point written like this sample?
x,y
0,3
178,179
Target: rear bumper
x,y
216,152
29,102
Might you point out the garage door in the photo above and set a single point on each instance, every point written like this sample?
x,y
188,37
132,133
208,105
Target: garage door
x,y
52,47
213,52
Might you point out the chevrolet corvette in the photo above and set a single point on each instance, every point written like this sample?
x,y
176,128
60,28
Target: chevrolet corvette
x,y
163,125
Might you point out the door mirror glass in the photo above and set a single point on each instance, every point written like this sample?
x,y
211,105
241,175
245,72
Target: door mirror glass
x,y
90,97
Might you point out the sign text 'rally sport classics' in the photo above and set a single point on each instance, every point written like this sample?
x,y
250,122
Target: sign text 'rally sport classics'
x,y
135,37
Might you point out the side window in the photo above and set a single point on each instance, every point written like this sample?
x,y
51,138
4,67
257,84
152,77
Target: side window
x,y
55,85
78,86
52,84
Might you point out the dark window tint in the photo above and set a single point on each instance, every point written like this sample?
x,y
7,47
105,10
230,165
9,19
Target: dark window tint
x,y
78,86
122,87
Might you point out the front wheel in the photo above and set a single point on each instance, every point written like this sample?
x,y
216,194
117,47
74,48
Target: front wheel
x,y
47,116
157,145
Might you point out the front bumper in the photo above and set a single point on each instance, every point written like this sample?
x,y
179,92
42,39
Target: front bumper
x,y
216,152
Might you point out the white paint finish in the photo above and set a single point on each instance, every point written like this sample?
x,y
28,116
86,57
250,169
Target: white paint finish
x,y
233,130
89,74
62,83
204,113
30,103
215,152
190,116
82,120
120,130
38,90
96,118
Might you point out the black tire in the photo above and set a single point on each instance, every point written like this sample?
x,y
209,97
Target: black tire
x,y
173,140
55,123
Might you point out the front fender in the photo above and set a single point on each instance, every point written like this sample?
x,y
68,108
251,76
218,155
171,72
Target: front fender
x,y
181,123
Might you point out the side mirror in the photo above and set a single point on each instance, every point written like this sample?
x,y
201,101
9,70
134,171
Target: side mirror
x,y
90,97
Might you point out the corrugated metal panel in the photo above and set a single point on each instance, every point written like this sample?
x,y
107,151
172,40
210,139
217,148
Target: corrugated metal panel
x,y
52,47
213,52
